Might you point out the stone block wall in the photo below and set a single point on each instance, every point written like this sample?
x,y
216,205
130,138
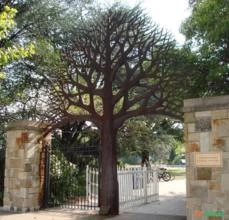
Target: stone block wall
x,y
23,186
207,133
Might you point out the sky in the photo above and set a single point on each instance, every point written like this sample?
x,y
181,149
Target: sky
x,y
169,14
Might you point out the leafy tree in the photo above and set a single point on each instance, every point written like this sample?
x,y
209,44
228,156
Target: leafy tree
x,y
156,138
22,22
78,142
115,66
10,52
136,140
74,146
206,32
30,21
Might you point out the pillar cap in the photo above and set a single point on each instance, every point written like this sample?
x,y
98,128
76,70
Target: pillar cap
x,y
206,103
27,125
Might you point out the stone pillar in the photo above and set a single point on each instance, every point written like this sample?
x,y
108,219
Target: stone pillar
x,y
207,157
23,181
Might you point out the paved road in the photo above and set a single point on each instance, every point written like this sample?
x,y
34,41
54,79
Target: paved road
x,y
170,207
61,216
172,200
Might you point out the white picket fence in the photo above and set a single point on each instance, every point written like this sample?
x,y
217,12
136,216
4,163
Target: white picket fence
x,y
136,186
92,185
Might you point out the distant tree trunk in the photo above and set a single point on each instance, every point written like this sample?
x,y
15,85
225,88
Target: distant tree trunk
x,y
109,194
145,159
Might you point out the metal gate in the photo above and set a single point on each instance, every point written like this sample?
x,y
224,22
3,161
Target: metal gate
x,y
66,179
2,172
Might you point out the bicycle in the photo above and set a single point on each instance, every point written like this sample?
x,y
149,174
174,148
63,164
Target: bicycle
x,y
165,175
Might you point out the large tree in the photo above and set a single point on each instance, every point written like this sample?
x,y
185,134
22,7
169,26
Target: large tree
x,y
23,24
206,32
29,21
11,51
151,139
116,65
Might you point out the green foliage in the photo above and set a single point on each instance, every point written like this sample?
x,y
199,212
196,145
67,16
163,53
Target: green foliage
x,y
7,21
209,22
66,180
27,28
176,153
70,154
11,52
15,53
206,31
157,136
22,83
12,87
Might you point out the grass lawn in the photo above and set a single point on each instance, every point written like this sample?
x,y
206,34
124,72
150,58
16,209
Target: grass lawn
x,y
178,173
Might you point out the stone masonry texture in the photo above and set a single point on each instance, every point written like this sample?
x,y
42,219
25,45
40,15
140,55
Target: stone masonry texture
x,y
207,131
23,181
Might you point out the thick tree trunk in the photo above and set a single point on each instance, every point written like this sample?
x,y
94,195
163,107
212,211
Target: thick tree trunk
x,y
109,194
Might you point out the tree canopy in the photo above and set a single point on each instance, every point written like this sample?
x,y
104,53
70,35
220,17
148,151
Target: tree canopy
x,y
151,140
10,51
131,58
32,22
207,33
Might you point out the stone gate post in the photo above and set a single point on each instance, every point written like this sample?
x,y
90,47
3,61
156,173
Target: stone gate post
x,y
207,157
24,166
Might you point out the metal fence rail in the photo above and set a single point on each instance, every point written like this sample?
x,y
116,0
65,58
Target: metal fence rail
x,y
136,186
67,181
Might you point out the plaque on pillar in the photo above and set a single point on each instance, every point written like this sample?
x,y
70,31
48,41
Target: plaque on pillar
x,y
210,159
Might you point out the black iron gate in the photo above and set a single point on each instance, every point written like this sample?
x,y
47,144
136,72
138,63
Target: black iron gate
x,y
66,176
2,174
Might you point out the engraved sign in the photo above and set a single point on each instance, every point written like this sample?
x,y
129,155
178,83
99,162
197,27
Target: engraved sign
x,y
203,124
210,159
